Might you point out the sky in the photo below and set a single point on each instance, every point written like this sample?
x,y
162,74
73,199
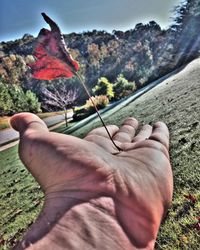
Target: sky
x,y
18,17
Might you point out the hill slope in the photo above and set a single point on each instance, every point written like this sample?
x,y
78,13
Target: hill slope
x,y
176,102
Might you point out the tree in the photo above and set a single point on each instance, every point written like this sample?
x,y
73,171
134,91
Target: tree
x,y
104,87
187,30
14,68
19,99
122,87
23,101
32,101
13,99
6,102
62,97
88,109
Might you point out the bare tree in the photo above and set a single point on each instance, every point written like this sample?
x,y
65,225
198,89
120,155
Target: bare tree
x,y
63,97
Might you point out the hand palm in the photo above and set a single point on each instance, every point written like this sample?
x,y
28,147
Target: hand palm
x,y
134,178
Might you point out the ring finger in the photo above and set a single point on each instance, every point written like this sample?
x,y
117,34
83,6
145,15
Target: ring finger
x,y
144,133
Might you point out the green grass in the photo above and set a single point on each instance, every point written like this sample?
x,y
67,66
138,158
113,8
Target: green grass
x,y
20,196
177,104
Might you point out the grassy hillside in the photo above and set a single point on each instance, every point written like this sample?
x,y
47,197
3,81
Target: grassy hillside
x,y
176,102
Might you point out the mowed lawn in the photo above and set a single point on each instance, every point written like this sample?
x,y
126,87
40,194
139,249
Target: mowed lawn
x,y
177,102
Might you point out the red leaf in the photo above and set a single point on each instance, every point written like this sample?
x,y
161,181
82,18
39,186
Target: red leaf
x,y
197,225
53,59
191,198
2,241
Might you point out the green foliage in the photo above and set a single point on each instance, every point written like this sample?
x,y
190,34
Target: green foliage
x,y
186,29
123,88
19,99
142,54
6,102
88,109
21,198
100,101
13,100
104,87
82,113
178,106
13,68
32,101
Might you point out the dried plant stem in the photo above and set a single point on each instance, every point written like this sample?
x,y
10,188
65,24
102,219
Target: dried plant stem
x,y
86,90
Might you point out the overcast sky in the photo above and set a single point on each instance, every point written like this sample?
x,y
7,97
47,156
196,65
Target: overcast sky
x,y
23,16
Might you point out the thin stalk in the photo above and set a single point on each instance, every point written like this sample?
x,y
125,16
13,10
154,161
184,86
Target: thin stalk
x,y
86,90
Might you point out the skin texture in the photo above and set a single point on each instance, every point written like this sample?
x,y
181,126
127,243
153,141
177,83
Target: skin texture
x,y
95,196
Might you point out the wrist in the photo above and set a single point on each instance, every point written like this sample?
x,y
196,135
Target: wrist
x,y
87,225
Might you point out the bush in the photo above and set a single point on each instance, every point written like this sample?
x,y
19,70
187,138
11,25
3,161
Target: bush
x,y
88,109
104,87
80,114
100,101
123,88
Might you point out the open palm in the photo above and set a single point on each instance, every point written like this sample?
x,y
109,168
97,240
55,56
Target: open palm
x,y
136,181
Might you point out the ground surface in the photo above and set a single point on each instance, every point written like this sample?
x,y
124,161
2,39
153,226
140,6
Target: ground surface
x,y
177,102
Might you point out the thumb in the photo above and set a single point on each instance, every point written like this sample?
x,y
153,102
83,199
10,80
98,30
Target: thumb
x,y
27,122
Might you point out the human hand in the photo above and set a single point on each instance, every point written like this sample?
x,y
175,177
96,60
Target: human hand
x,y
133,187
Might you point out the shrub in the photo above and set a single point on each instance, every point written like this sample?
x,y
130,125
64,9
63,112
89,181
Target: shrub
x,y
123,88
104,87
100,101
88,109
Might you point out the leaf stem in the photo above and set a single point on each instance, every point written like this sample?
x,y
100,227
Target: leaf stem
x,y
86,90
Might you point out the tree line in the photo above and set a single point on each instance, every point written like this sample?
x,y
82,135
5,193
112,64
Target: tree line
x,y
128,60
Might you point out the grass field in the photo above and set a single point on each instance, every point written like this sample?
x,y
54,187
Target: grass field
x,y
176,102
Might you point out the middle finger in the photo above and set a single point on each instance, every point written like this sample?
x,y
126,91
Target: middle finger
x,y
126,132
